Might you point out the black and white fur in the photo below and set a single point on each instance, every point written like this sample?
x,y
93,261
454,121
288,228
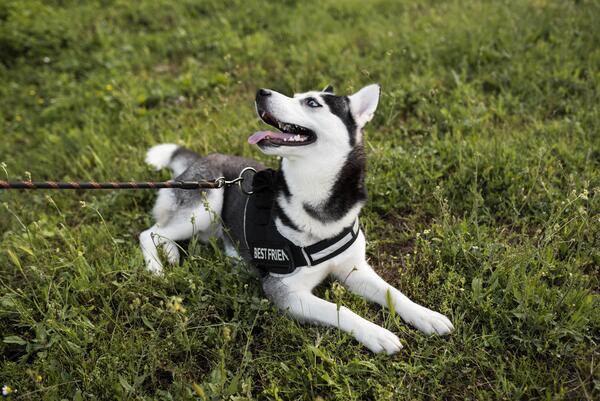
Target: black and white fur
x,y
321,190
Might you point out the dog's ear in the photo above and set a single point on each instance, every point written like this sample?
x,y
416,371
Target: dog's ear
x,y
363,104
328,89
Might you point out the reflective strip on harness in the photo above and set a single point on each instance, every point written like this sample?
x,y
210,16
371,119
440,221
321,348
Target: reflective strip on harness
x,y
335,248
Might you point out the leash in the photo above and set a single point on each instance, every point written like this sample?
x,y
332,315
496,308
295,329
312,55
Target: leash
x,y
220,182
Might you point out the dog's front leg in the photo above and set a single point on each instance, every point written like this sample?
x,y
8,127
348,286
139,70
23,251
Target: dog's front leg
x,y
364,281
305,306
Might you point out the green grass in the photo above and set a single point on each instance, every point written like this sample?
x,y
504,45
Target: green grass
x,y
484,187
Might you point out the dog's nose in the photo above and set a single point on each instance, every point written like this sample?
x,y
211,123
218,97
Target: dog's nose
x,y
263,93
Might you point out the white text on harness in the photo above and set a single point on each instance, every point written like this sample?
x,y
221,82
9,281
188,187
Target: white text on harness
x,y
278,255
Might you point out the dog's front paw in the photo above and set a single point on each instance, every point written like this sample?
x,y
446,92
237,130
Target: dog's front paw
x,y
378,339
428,321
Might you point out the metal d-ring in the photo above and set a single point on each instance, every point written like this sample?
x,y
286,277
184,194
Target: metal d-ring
x,y
241,179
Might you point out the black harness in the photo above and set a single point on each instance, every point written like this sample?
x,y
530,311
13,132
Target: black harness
x,y
270,251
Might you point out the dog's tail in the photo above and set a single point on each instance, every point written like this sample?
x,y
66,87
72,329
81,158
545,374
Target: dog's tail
x,y
176,157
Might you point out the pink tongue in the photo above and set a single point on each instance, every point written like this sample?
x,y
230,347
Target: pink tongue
x,y
260,135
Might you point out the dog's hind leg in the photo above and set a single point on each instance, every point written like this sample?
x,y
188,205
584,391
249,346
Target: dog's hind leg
x,y
364,281
164,237
177,223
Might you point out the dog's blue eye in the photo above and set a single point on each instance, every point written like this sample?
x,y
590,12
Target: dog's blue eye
x,y
312,102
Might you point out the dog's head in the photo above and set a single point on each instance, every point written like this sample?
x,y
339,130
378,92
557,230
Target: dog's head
x,y
313,121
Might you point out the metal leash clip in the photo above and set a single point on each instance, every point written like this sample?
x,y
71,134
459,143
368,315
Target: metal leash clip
x,y
222,182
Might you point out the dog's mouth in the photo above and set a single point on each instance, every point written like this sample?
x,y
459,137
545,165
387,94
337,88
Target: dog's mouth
x,y
289,135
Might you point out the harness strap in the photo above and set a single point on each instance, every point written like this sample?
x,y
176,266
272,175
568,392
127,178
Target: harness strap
x,y
330,248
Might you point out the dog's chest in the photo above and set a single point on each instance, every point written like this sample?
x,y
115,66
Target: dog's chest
x,y
270,250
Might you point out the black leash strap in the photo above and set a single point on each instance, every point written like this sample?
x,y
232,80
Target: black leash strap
x,y
109,185
203,184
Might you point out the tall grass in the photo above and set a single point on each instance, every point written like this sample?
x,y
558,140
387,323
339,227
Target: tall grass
x,y
484,197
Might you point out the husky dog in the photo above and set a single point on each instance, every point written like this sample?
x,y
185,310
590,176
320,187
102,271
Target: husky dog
x,y
318,193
